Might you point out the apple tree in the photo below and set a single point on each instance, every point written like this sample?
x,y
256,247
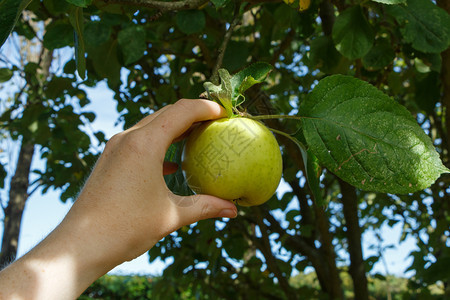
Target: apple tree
x,y
366,85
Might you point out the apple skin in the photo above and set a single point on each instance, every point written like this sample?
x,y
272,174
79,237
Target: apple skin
x,y
237,159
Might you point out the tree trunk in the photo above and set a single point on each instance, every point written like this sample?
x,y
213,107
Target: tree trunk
x,y
333,281
18,190
357,268
18,195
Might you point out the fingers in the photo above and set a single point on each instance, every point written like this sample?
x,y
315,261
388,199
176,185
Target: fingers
x,y
199,207
178,118
146,120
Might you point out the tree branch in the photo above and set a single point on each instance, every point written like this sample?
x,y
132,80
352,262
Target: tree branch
x,y
265,247
161,5
357,267
223,46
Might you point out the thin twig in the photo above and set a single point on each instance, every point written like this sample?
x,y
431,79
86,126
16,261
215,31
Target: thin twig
x,y
223,47
161,5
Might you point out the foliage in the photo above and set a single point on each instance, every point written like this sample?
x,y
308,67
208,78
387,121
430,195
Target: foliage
x,y
153,53
120,287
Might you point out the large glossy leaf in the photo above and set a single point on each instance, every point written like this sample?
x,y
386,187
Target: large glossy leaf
x,y
132,43
10,11
352,33
423,24
190,21
368,139
80,3
379,56
105,61
58,35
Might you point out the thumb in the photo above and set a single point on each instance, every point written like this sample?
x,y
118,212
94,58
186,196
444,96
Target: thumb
x,y
199,207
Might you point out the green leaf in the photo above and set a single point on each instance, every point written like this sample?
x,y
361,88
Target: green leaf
x,y
80,3
132,43
57,87
220,3
190,21
24,28
423,24
10,11
352,33
380,56
2,176
230,91
390,1
222,93
236,55
367,139
253,74
5,74
96,33
56,7
105,61
58,35
427,92
76,19
323,55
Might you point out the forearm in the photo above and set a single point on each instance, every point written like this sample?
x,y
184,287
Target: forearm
x,y
63,265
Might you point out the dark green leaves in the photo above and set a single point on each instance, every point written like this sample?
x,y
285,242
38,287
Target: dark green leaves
x,y
249,76
80,3
96,33
9,13
5,74
379,56
367,139
220,3
132,43
423,24
190,21
352,33
58,35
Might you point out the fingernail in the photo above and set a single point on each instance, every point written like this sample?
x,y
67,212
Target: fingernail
x,y
227,213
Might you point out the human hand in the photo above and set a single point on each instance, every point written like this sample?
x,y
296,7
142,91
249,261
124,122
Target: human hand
x,y
124,208
127,191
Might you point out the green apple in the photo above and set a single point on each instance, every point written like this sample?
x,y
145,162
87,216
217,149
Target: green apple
x,y
236,158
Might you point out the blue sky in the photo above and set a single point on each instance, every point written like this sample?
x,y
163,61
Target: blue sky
x,y
44,212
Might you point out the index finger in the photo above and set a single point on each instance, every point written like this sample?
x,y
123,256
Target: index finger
x,y
179,117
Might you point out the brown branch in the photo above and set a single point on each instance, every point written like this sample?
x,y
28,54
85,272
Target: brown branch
x,y
326,14
265,247
357,266
333,284
223,46
161,5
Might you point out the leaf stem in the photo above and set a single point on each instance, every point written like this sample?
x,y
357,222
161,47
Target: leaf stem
x,y
223,46
266,117
293,139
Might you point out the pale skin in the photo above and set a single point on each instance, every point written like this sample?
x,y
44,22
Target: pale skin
x,y
124,209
